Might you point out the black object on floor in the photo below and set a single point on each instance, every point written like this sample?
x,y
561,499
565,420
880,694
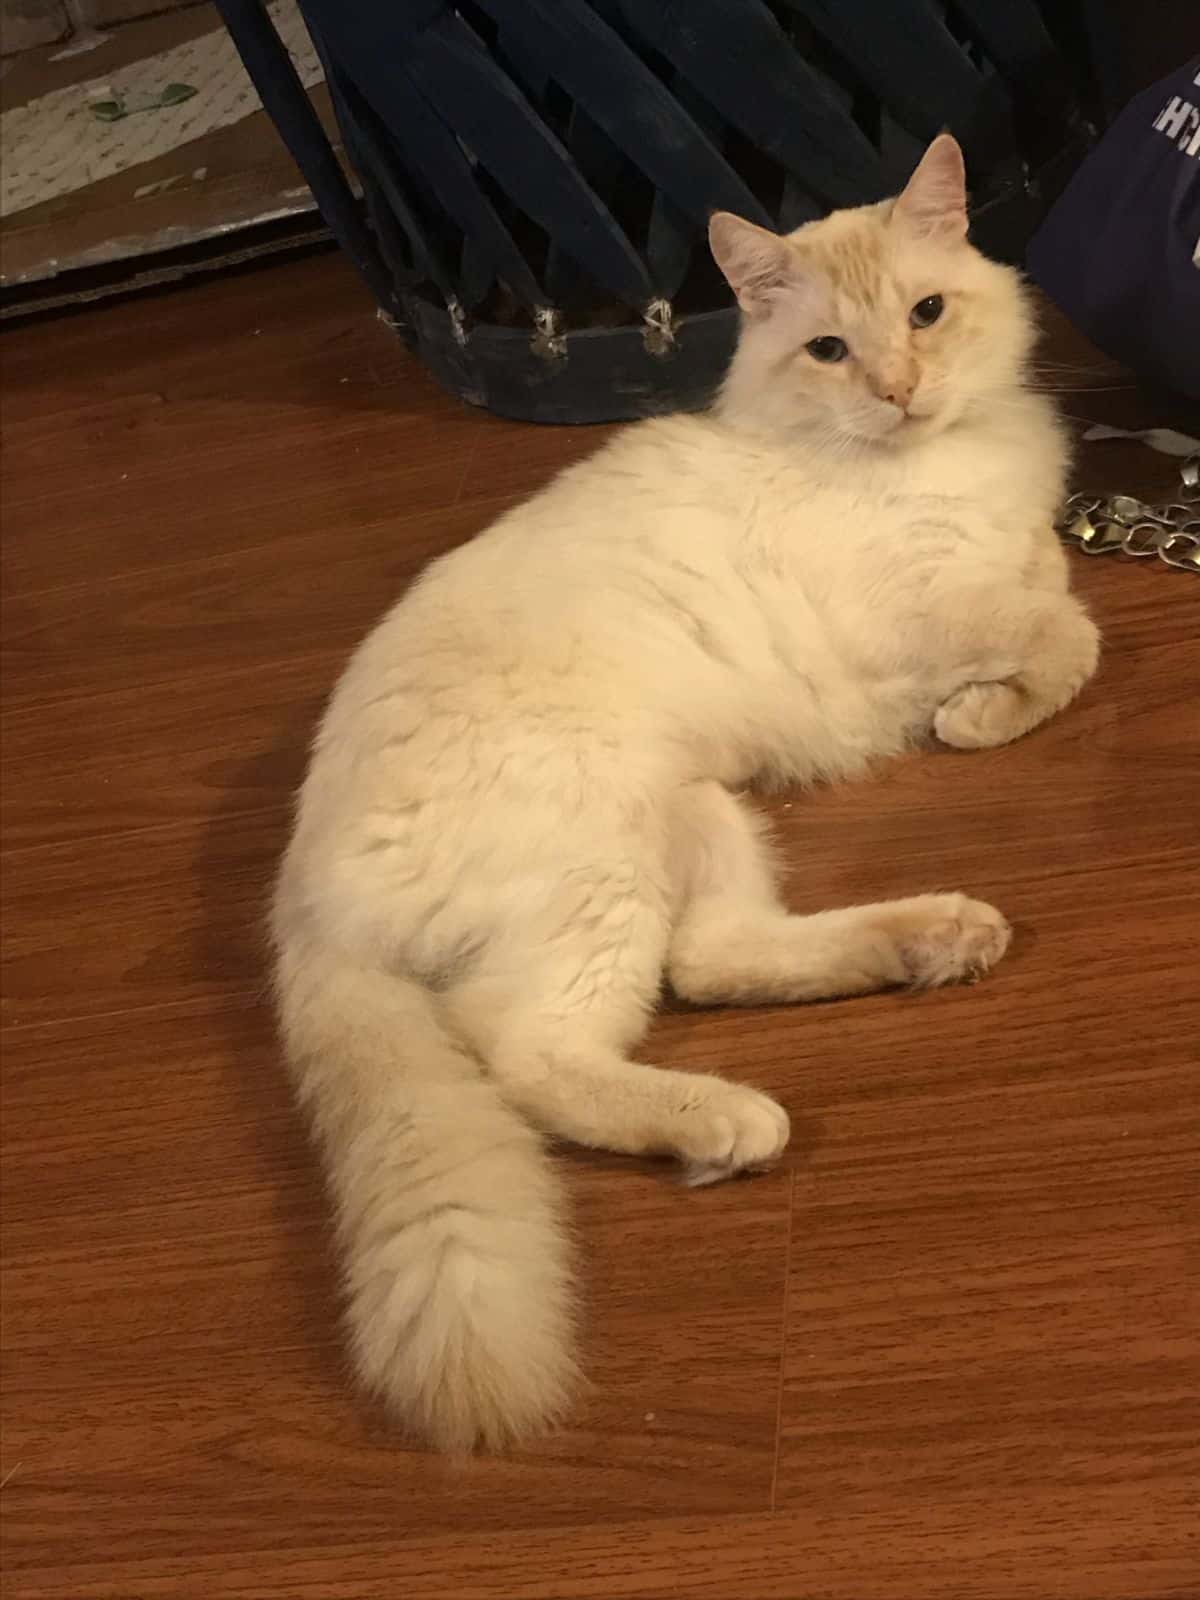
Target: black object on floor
x,y
538,174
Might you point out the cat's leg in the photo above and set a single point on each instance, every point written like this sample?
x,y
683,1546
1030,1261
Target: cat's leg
x,y
734,943
1057,656
553,1015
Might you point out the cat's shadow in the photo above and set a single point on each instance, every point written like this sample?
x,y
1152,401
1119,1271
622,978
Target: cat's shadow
x,y
255,1079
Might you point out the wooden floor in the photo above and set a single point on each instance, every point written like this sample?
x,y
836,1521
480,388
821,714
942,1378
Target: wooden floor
x,y
949,1348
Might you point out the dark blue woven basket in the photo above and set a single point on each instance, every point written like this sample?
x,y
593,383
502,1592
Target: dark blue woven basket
x,y
538,174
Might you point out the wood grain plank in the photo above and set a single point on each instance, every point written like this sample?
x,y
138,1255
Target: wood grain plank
x,y
120,461
509,459
1126,1548
260,605
139,921
326,472
211,745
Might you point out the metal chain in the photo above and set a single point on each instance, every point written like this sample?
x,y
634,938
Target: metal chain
x,y
1100,524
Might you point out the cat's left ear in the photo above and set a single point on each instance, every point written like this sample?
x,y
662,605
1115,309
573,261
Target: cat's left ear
x,y
934,202
756,262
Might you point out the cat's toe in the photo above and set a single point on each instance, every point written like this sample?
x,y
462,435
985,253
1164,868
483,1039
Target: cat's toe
x,y
736,1130
980,716
951,938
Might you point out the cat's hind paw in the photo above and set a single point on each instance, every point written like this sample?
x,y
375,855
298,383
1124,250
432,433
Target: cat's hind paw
x,y
735,1130
945,938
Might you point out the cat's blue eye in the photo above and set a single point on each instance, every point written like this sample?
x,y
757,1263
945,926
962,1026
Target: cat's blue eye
x,y
827,347
926,312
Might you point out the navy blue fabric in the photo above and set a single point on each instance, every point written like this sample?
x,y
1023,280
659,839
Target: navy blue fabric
x,y
1116,251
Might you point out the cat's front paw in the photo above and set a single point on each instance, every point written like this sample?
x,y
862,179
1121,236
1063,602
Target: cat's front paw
x,y
734,1129
944,938
982,715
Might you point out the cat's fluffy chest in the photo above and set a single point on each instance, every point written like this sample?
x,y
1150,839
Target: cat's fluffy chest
x,y
981,493
843,567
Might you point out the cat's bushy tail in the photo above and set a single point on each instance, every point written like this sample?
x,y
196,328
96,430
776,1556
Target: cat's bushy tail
x,y
449,1213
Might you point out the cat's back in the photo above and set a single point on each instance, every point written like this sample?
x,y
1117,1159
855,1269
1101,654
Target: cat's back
x,y
595,574
620,494
657,499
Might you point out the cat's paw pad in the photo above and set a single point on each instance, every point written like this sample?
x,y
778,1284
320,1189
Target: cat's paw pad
x,y
949,937
982,715
734,1129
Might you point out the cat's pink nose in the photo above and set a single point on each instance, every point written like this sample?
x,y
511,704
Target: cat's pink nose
x,y
895,388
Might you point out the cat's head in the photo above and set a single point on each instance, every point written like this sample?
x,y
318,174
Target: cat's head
x,y
876,323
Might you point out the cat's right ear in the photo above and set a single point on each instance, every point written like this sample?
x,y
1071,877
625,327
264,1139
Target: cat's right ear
x,y
934,202
754,260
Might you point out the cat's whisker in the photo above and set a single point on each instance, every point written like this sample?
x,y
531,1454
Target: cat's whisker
x,y
1018,405
1080,388
1076,368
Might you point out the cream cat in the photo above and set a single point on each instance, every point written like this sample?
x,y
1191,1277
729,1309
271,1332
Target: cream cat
x,y
520,812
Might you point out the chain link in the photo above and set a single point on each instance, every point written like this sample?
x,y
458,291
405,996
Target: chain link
x,y
1100,524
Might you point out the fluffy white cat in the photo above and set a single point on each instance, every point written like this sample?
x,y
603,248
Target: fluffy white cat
x,y
520,812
